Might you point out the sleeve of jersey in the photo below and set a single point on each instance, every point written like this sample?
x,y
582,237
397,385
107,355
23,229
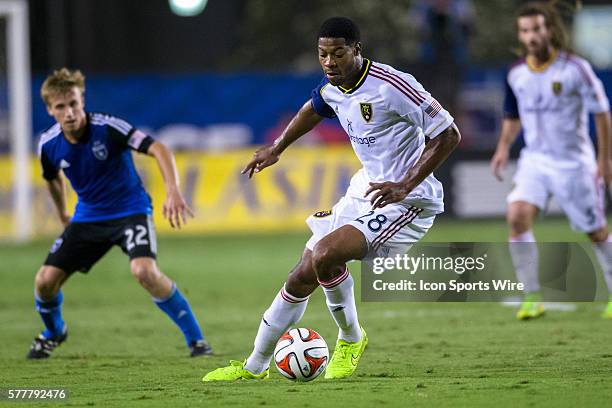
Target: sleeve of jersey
x,y
140,141
318,103
408,98
49,170
125,135
591,88
510,104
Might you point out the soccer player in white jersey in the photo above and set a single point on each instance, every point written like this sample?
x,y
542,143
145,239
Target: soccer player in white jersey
x,y
391,202
549,94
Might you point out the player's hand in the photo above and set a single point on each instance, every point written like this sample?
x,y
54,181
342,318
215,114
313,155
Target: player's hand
x,y
175,209
498,163
263,157
65,219
386,193
604,170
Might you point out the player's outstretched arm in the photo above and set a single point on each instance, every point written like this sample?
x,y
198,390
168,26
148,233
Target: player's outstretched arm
x,y
435,153
57,188
302,123
510,130
175,208
604,150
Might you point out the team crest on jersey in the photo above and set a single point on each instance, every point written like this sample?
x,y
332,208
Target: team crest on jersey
x,y
557,88
99,150
366,111
322,214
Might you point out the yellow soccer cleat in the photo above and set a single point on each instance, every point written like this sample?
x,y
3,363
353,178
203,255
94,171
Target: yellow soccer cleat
x,y
346,357
235,371
531,308
607,313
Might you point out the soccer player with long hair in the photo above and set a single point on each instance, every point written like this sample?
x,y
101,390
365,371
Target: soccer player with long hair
x,y
550,92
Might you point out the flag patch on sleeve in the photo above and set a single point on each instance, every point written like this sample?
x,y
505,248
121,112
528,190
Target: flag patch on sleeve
x,y
433,108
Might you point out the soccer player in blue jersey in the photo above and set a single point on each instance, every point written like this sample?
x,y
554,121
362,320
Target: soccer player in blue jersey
x,y
93,150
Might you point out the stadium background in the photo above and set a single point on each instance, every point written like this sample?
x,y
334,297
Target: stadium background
x,y
215,85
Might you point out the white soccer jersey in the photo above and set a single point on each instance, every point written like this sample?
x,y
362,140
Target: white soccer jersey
x,y
386,116
553,106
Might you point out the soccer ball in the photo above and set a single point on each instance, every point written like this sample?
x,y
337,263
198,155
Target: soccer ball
x,y
301,354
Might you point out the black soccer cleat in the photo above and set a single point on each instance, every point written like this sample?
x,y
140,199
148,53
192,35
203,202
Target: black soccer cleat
x,y
42,347
200,348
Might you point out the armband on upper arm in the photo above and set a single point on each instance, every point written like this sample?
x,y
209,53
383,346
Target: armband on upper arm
x,y
139,141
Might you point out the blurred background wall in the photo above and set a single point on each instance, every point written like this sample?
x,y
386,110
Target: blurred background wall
x,y
214,84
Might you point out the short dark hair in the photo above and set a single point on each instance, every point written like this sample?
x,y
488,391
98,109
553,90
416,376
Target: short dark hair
x,y
340,27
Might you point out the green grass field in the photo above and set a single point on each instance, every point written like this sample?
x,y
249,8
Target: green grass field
x,y
122,351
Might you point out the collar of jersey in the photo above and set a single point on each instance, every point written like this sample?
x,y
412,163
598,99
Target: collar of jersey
x,y
86,133
541,68
365,69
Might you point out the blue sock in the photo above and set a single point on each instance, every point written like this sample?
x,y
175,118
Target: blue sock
x,y
51,313
178,309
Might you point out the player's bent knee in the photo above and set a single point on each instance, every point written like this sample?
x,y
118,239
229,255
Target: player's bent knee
x,y
298,288
520,216
518,227
48,281
325,262
321,257
519,221
301,282
145,272
599,236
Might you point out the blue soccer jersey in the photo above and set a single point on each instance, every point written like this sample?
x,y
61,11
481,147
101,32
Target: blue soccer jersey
x,y
99,167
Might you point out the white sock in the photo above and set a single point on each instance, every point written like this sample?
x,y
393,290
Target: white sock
x,y
284,311
524,254
603,251
341,303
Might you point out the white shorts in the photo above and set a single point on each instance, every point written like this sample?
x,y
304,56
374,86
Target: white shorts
x,y
389,231
579,192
